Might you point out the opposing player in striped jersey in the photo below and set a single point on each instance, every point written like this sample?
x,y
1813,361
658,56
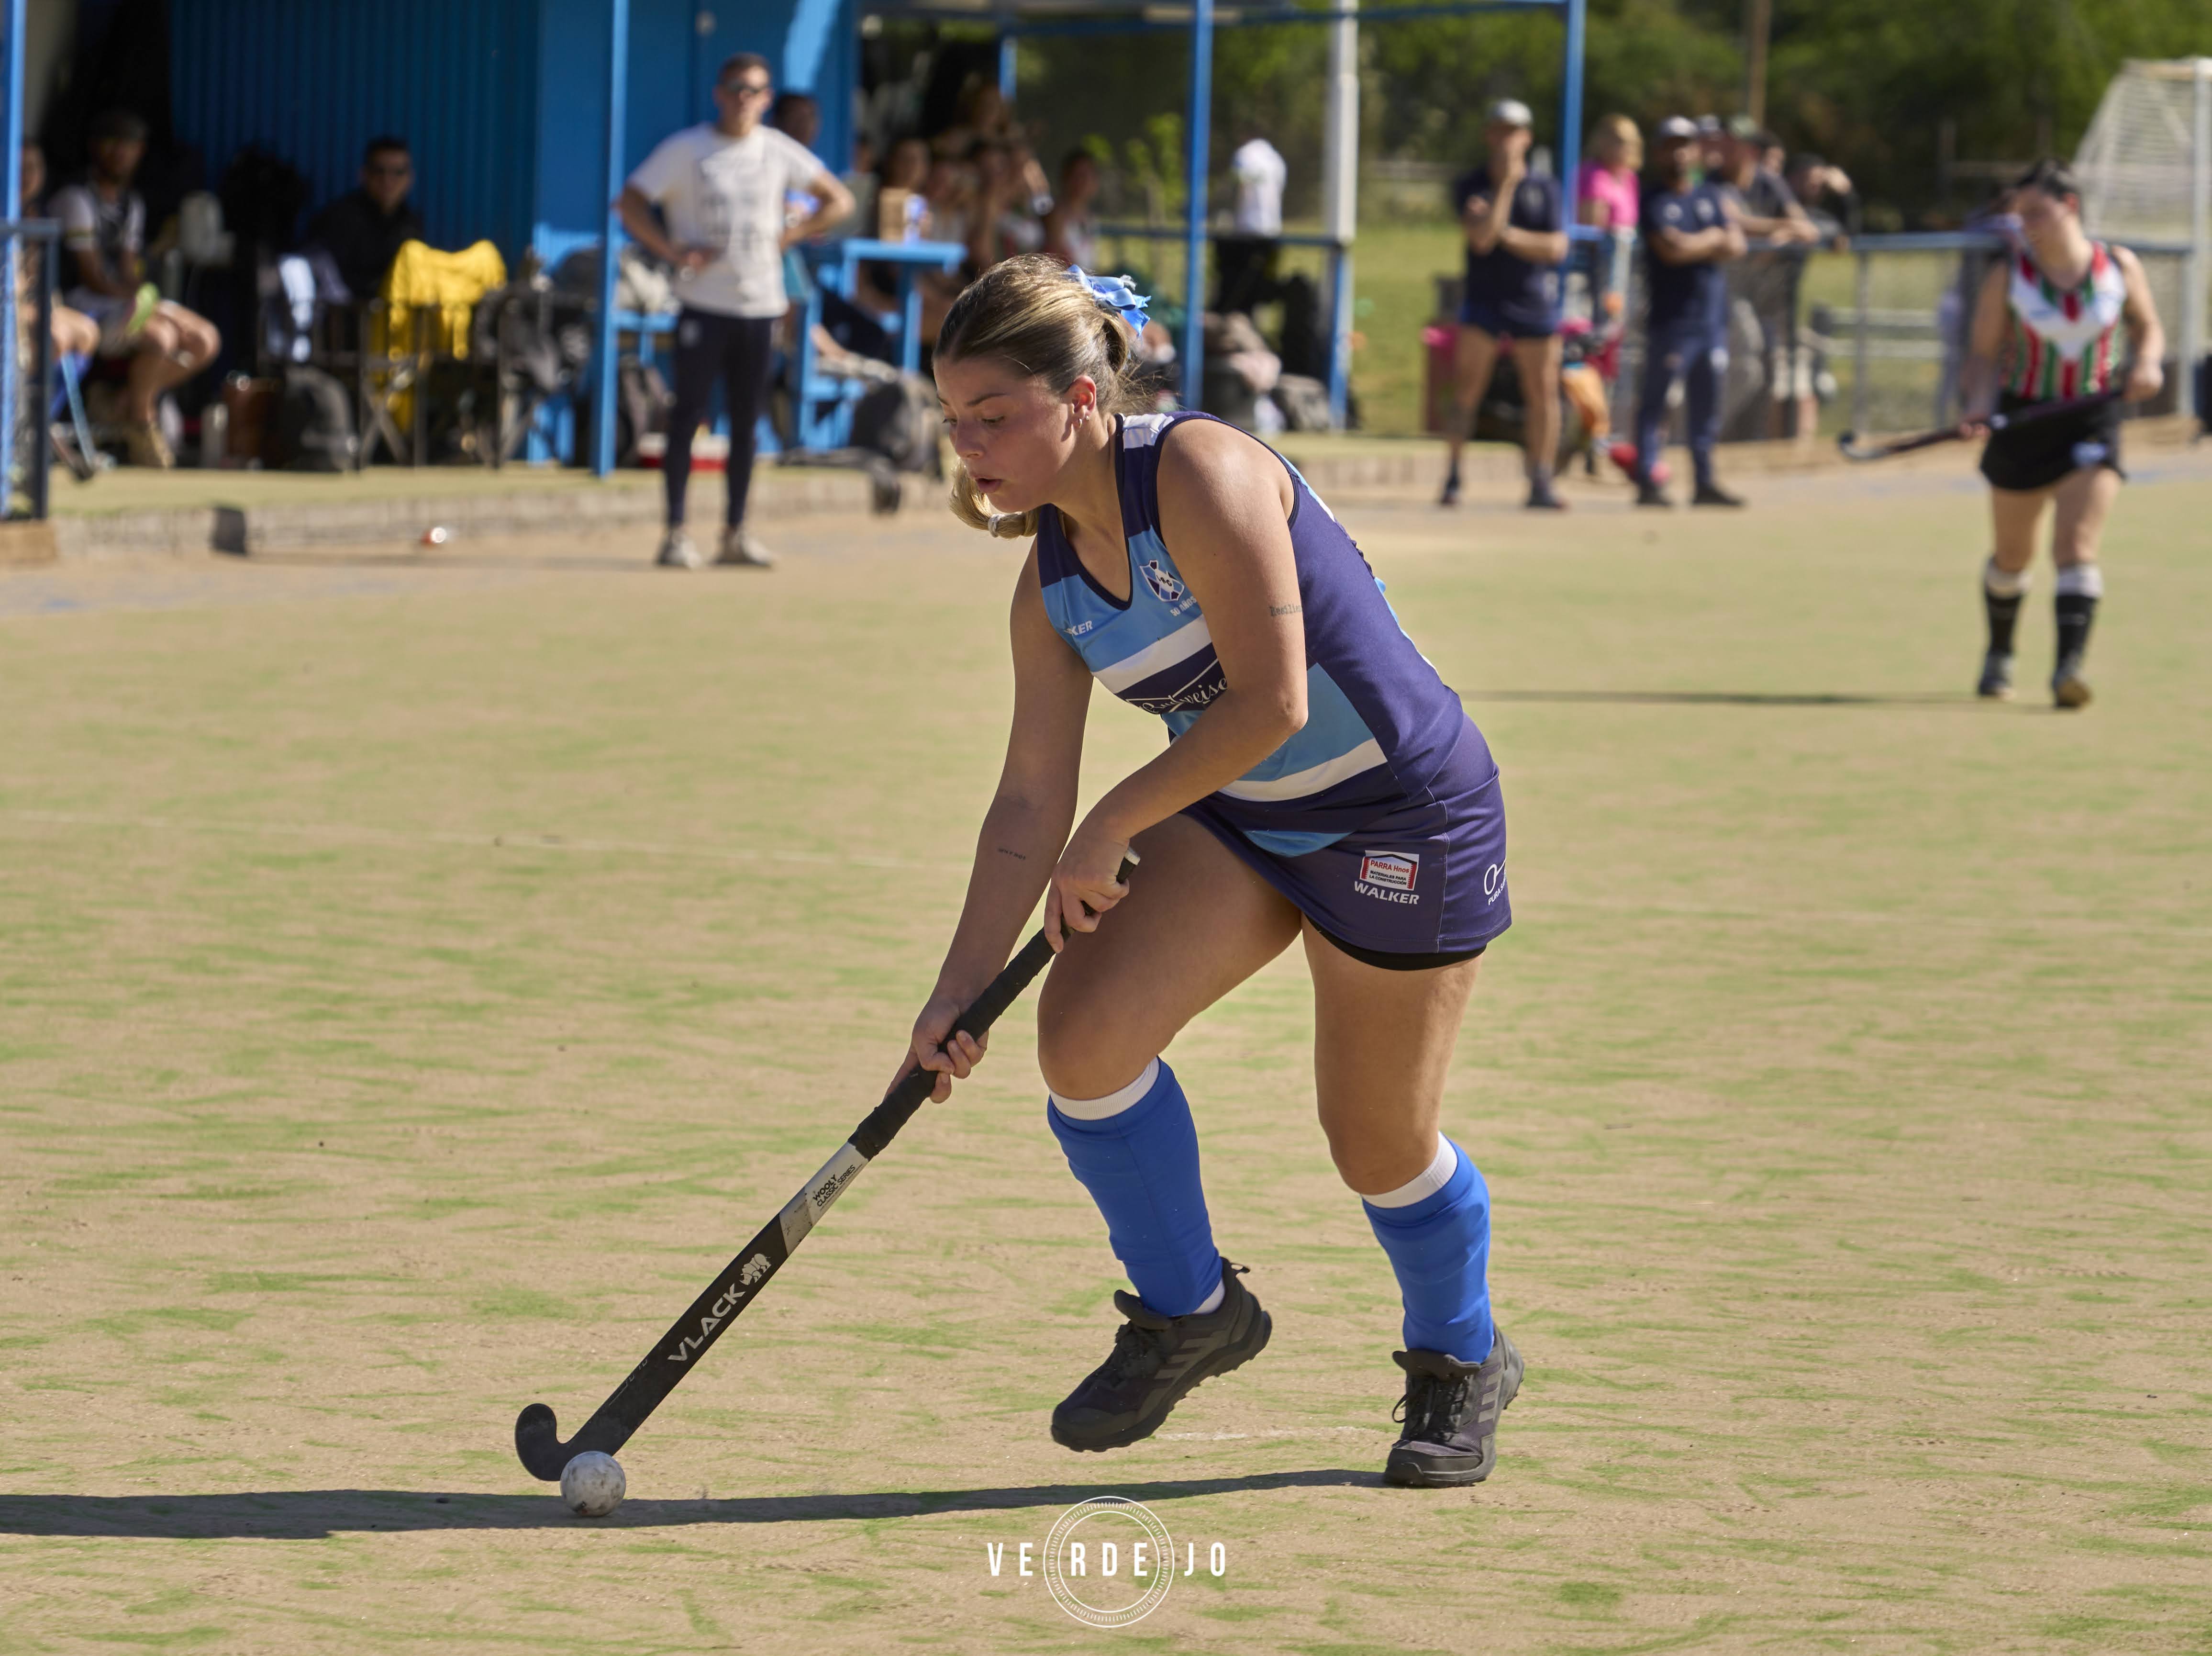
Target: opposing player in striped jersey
x,y
2044,331
1320,785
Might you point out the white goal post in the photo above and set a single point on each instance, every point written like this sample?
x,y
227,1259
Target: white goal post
x,y
2146,170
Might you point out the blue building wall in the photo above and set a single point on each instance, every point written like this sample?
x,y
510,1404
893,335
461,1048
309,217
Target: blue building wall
x,y
504,101
456,78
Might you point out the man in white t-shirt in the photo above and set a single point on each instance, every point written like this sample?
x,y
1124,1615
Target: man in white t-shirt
x,y
1244,263
722,189
1261,173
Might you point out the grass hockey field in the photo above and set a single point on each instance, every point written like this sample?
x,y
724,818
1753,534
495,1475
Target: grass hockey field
x,y
419,976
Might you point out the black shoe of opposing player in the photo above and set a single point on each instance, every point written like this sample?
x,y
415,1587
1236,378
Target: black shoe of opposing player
x,y
2069,689
1155,1361
1542,497
1650,494
1450,1411
1996,684
1711,494
1451,495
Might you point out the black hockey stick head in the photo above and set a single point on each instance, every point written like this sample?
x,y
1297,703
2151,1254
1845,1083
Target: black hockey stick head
x,y
1853,449
537,1440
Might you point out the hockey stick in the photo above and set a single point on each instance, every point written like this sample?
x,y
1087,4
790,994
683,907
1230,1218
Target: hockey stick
x,y
1855,450
536,1434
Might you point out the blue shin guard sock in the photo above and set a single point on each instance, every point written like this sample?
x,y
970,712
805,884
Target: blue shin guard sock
x,y
1438,1240
1136,1152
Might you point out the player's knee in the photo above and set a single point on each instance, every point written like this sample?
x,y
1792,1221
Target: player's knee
x,y
2073,547
1075,1057
1371,1163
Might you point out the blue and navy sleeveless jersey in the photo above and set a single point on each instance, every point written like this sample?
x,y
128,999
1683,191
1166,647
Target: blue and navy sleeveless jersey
x,y
1379,722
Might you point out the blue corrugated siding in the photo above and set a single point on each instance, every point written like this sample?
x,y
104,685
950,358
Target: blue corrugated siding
x,y
457,79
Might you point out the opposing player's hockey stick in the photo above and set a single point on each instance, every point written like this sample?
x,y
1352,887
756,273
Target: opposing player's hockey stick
x,y
538,1435
1855,450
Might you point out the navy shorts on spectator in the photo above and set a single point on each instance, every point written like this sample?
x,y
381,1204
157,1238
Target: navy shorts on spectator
x,y
1506,295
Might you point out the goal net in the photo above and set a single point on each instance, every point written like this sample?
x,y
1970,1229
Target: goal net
x,y
2147,183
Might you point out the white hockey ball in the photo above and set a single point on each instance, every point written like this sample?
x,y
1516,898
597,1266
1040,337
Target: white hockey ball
x,y
592,1484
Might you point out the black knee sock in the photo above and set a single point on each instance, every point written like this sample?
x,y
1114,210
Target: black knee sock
x,y
2076,612
2004,616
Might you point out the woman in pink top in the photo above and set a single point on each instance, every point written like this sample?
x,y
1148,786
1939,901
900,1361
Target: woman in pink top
x,y
1606,189
1607,193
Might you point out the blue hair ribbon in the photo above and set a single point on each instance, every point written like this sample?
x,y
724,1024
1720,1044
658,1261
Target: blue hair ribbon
x,y
1118,294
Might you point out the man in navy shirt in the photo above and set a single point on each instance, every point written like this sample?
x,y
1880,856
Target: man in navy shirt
x,y
1516,240
1689,233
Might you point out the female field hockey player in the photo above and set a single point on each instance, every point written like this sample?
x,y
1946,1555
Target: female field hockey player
x,y
1322,785
2043,332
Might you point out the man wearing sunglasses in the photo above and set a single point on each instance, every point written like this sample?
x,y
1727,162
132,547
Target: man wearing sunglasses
x,y
361,230
721,189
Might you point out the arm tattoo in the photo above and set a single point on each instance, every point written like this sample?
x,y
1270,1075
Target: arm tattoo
x,y
1007,851
1285,609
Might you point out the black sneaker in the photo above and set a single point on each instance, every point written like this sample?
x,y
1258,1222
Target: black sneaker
x,y
1711,494
1542,497
1649,493
1451,495
1155,1361
1450,1411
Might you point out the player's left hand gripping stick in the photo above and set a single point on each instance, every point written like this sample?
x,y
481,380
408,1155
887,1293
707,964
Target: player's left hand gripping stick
x,y
536,1434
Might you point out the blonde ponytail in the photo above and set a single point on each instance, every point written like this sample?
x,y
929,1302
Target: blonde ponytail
x,y
1030,314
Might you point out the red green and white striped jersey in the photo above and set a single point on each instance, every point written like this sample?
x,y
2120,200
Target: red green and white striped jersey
x,y
2061,338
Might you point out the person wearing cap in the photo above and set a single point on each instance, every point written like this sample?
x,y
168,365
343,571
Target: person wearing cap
x,y
1712,148
1765,207
103,223
1689,231
1516,240
1813,180
1763,288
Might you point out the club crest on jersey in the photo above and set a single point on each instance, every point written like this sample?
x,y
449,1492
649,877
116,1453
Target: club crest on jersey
x,y
1388,876
1164,586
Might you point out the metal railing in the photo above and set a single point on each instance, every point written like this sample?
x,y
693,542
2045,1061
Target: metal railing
x,y
1871,333
1904,331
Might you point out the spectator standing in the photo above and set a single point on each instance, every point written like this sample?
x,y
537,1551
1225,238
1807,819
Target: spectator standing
x,y
1607,197
1689,234
1814,182
103,223
1260,173
1712,150
723,185
1763,288
1765,210
1606,192
1244,262
363,228
1516,240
